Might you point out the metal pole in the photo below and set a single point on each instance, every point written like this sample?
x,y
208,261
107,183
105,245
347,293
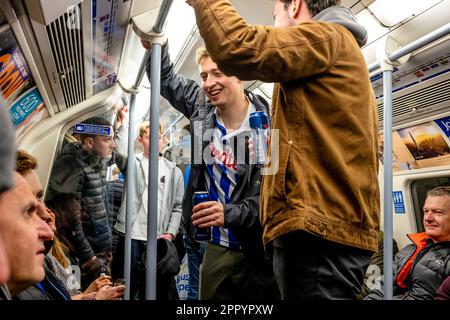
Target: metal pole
x,y
130,191
421,42
152,220
173,124
131,169
374,66
387,128
413,46
387,206
162,16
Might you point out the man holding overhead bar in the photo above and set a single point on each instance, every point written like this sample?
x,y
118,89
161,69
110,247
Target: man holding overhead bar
x,y
321,210
234,264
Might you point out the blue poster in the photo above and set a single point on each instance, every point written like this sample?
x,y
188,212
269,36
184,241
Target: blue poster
x,y
444,124
399,202
25,105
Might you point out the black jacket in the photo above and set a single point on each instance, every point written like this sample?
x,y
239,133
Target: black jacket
x,y
84,175
241,215
429,269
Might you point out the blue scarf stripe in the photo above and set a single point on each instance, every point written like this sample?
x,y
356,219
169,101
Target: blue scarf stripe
x,y
234,242
220,183
225,185
215,235
221,128
213,196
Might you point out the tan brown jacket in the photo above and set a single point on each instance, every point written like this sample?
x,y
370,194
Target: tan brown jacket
x,y
325,111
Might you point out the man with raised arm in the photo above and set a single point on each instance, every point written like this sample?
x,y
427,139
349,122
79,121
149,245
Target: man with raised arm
x,y
234,264
321,209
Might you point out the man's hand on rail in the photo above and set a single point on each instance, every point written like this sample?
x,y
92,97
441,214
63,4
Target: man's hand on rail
x,y
152,39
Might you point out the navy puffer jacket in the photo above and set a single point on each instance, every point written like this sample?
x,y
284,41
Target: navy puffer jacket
x,y
84,175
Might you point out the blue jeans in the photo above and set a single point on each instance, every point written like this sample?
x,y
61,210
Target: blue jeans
x,y
195,257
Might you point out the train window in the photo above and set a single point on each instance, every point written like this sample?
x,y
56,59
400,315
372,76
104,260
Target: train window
x,y
419,189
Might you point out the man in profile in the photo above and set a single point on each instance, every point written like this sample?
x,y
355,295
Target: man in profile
x,y
23,234
322,206
81,170
7,161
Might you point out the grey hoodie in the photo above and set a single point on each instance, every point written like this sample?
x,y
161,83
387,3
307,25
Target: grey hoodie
x,y
344,17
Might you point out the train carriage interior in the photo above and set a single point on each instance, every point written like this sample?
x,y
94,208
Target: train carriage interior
x,y
77,59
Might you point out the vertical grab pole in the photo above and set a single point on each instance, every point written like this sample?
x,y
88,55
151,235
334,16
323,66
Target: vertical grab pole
x,y
152,218
150,290
131,173
129,204
387,68
388,221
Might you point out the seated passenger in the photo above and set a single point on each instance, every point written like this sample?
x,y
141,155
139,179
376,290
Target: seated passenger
x,y
421,267
7,159
23,234
170,196
55,284
52,287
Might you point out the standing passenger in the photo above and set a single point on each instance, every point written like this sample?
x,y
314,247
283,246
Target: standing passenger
x,y
234,264
170,196
81,170
321,209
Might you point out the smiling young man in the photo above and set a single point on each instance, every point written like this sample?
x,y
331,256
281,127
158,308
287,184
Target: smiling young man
x,y
421,267
234,264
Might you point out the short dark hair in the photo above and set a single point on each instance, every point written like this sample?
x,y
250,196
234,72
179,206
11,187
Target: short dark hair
x,y
439,191
96,121
25,162
315,6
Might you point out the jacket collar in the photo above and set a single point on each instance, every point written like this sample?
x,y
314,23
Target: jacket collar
x,y
418,238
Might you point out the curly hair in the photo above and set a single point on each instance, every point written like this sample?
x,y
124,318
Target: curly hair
x,y
25,162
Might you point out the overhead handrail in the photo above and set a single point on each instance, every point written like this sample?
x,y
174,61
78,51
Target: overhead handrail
x,y
413,46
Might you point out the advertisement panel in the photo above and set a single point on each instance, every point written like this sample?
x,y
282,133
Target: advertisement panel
x,y
15,76
109,22
421,146
22,97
